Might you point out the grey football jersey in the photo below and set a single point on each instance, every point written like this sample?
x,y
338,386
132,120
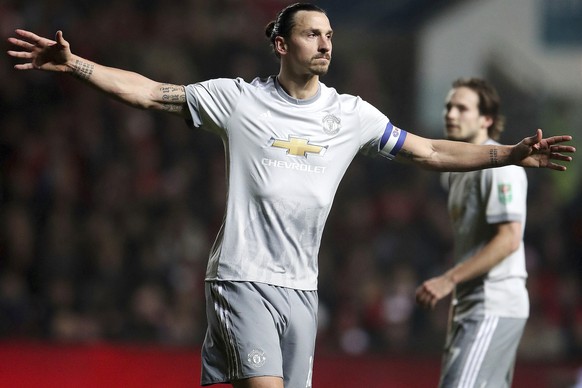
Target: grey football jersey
x,y
284,161
477,201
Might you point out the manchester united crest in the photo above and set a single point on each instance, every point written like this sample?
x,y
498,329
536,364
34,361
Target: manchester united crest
x,y
331,124
257,358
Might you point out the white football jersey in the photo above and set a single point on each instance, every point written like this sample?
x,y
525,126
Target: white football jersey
x,y
284,161
477,201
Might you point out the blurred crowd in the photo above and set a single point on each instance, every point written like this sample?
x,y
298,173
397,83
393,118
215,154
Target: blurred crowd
x,y
108,213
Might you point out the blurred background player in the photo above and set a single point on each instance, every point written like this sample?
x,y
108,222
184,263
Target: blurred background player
x,y
490,302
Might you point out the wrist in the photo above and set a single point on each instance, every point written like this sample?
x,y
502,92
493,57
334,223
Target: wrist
x,y
70,64
80,68
451,278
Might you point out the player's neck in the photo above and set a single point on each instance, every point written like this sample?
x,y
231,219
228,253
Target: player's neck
x,y
481,138
299,87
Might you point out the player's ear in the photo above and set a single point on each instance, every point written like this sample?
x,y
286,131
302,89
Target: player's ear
x,y
486,121
280,45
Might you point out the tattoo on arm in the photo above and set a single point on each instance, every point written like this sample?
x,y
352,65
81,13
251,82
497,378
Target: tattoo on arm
x,y
493,157
83,70
173,97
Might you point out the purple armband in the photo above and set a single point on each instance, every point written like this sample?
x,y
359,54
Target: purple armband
x,y
392,141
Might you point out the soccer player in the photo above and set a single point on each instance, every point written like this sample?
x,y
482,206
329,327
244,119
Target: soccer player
x,y
288,141
490,304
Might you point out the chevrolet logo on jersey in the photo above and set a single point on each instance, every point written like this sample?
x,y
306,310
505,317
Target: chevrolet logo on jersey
x,y
297,146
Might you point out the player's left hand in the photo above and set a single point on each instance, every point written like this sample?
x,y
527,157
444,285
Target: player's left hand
x,y
535,151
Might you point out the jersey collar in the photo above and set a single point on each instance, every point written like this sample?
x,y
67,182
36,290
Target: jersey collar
x,y
293,100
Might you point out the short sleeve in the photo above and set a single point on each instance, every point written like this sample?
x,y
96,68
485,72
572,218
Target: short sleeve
x,y
212,102
505,190
380,136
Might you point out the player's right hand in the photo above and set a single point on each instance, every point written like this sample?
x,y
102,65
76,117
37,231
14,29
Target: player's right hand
x,y
41,53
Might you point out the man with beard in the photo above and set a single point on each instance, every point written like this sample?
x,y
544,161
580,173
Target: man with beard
x,y
288,141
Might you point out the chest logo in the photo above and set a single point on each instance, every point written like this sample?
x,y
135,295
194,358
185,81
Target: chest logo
x,y
331,124
298,146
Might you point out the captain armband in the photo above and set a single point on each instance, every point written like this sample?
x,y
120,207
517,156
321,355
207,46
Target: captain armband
x,y
392,141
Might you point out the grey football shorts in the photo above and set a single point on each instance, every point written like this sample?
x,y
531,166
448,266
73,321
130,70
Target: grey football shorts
x,y
257,329
480,352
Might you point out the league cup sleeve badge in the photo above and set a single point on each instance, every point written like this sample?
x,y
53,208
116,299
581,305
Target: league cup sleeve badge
x,y
504,193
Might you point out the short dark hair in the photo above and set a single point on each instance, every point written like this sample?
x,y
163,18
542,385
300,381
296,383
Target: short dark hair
x,y
285,21
489,103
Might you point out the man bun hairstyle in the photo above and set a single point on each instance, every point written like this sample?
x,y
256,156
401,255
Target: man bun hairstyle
x,y
489,103
285,21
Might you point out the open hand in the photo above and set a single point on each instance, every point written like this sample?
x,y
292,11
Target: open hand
x,y
42,53
536,151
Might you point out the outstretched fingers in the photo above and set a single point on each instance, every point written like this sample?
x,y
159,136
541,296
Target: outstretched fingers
x,y
30,41
32,37
27,34
19,54
21,43
558,139
556,155
26,54
555,166
24,66
556,151
562,148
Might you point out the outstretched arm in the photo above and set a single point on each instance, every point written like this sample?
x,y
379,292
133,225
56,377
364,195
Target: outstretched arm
x,y
126,86
446,155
